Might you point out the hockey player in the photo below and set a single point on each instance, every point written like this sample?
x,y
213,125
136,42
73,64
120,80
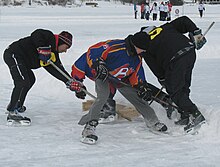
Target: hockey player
x,y
29,53
102,62
171,57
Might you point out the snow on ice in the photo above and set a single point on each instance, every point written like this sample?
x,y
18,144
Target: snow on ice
x,y
53,138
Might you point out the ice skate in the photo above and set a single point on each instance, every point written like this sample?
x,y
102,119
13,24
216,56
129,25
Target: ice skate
x,y
14,118
88,134
108,113
184,120
195,122
160,127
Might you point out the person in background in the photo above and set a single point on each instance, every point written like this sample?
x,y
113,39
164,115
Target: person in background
x,y
147,12
169,10
115,62
135,10
154,10
143,10
161,10
166,10
201,8
30,53
171,56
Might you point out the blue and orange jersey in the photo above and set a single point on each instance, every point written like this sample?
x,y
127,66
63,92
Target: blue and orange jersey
x,y
119,63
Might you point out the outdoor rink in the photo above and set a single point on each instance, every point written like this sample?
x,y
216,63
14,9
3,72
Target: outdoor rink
x,y
53,139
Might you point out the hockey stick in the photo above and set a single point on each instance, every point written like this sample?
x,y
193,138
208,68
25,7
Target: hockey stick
x,y
156,95
210,26
116,80
84,90
69,78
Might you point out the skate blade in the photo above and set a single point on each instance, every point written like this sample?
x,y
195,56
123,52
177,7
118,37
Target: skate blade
x,y
89,141
107,120
195,130
18,123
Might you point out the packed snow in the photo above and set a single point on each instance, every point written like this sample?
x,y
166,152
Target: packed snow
x,y
53,139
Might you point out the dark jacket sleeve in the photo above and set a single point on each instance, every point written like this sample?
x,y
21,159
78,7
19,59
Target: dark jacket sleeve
x,y
56,73
184,25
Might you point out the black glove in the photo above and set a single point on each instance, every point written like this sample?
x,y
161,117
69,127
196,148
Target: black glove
x,y
101,70
197,38
44,53
81,94
77,86
144,91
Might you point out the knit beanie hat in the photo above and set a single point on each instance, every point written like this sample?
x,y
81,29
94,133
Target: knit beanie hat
x,y
65,38
141,40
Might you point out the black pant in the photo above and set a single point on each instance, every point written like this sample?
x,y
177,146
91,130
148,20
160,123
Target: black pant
x,y
178,80
200,13
22,76
154,16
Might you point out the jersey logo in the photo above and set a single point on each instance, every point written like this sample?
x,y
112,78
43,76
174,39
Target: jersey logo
x,y
53,58
155,32
121,73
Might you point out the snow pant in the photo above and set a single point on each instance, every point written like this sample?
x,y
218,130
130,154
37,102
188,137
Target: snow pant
x,y
154,16
178,80
168,16
147,15
102,89
201,13
142,15
22,76
135,14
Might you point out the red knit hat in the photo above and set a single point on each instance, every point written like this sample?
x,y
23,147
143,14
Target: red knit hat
x,y
65,38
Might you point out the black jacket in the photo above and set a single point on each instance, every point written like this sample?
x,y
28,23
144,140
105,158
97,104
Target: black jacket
x,y
165,42
26,48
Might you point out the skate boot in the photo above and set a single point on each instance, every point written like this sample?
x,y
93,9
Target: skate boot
x,y
160,127
108,113
14,118
195,122
19,109
88,134
184,119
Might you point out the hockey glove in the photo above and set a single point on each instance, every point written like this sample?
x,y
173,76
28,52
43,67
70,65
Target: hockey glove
x,y
197,38
144,91
101,70
44,53
77,87
81,94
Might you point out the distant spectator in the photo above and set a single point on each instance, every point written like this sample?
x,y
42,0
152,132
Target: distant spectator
x,y
135,10
161,9
143,10
165,11
201,8
154,10
147,11
169,10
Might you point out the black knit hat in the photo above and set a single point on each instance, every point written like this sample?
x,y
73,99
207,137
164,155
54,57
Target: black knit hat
x,y
65,38
141,40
